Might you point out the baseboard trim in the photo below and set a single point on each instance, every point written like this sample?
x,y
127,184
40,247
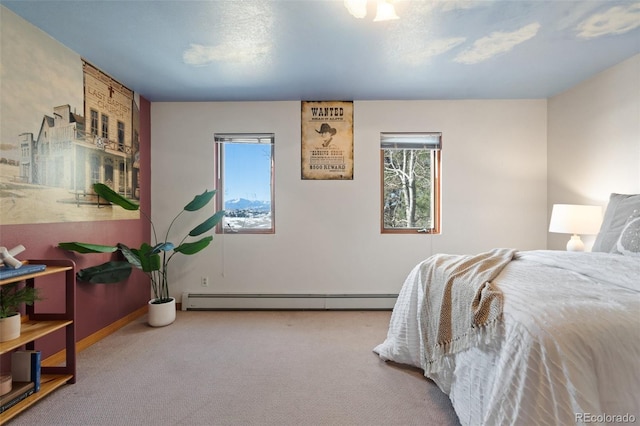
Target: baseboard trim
x,y
212,301
60,357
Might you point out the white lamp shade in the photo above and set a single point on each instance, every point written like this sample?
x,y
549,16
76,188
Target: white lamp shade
x,y
575,219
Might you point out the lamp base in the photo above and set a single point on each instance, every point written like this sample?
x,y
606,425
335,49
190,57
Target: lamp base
x,y
575,244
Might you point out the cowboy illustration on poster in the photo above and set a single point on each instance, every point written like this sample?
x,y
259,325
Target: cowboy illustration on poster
x,y
327,140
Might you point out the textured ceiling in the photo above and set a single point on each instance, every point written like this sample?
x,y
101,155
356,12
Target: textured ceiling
x,y
317,50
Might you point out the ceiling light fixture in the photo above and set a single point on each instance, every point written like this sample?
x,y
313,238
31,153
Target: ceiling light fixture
x,y
385,10
357,8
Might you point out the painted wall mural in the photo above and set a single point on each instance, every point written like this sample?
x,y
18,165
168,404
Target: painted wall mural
x,y
65,125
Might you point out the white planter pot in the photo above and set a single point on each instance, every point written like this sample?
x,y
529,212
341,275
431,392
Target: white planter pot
x,y
161,314
10,327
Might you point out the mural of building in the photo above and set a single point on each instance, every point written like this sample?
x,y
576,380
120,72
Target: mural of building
x,y
73,151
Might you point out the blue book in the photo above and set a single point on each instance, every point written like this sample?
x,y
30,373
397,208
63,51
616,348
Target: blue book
x,y
27,268
36,360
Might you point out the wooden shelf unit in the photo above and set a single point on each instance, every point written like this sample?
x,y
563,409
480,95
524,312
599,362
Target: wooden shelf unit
x,y
40,324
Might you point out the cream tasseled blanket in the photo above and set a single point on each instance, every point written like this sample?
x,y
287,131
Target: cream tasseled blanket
x,y
460,304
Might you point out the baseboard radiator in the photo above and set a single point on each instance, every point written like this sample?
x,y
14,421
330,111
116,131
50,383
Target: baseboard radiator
x,y
206,301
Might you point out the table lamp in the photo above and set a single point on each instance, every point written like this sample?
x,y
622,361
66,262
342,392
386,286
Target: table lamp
x,y
575,219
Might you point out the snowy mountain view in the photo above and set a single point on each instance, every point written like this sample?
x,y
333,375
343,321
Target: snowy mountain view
x,y
243,203
241,213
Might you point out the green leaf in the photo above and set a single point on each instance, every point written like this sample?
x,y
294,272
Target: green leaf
x,y
152,263
194,247
110,195
87,248
14,295
149,261
207,224
107,273
199,201
130,255
168,246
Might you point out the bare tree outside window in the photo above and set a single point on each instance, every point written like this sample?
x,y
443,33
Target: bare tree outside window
x,y
410,182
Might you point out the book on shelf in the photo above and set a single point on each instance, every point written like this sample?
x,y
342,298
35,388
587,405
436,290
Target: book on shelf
x,y
25,367
7,272
19,391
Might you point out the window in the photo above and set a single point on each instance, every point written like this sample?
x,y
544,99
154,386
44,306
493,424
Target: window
x,y
244,174
105,127
120,136
94,122
410,182
95,169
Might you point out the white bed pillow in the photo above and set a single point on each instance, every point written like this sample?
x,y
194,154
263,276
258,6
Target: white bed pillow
x,y
619,209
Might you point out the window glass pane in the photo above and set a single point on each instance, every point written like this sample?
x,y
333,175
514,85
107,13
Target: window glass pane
x,y
407,189
246,185
120,135
94,122
105,126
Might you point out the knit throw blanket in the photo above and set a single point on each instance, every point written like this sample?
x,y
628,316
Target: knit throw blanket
x,y
461,305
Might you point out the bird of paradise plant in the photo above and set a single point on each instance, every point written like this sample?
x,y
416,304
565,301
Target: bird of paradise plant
x,y
153,259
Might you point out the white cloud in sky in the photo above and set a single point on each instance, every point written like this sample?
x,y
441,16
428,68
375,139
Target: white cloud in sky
x,y
617,20
200,55
449,5
245,36
496,43
433,48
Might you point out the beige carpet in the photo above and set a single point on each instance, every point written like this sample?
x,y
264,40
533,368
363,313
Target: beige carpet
x,y
245,368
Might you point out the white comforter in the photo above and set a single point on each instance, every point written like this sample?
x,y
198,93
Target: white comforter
x,y
569,349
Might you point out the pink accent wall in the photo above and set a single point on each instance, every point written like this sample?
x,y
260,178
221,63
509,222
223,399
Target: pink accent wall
x,y
97,305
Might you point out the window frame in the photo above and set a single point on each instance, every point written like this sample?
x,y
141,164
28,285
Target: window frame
x,y
105,126
93,122
436,167
121,135
220,139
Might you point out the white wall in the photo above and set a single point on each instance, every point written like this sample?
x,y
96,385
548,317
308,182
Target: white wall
x,y
327,236
594,141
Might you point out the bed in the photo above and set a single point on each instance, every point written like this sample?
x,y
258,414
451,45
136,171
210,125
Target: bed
x,y
530,337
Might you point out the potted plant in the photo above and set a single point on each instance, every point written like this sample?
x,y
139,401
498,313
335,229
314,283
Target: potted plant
x,y
152,258
12,297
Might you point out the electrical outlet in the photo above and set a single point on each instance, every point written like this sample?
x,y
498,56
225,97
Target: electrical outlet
x,y
204,281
